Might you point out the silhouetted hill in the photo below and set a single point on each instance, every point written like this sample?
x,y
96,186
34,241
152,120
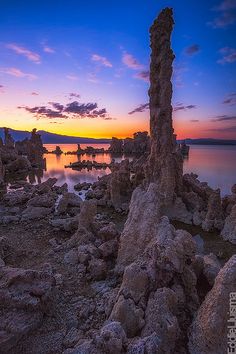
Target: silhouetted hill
x,y
209,141
51,138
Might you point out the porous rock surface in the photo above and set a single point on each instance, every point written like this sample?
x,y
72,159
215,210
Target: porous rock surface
x,y
208,332
24,299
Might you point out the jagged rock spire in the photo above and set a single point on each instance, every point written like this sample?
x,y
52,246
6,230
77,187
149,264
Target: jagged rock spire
x,y
9,141
160,92
165,162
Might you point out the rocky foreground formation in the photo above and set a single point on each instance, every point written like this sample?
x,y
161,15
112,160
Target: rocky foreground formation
x,y
81,276
213,314
25,298
67,285
20,157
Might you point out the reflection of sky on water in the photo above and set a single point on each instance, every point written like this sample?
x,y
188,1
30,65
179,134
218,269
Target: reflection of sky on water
x,y
214,164
55,165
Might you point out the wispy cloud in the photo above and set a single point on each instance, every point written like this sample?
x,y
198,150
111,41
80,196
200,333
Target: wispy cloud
x,y
130,61
194,120
142,75
74,95
18,73
67,54
178,71
182,107
102,60
178,107
48,49
140,108
223,20
230,99
2,89
56,122
93,78
192,49
226,14
32,56
72,77
119,73
228,55
34,93
226,5
73,109
230,129
223,118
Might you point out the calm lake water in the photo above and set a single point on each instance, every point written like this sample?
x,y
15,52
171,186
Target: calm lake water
x,y
213,164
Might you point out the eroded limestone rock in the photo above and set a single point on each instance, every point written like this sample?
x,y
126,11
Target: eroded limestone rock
x,y
24,299
120,185
34,213
18,165
166,260
2,172
229,230
43,200
160,319
141,224
165,165
213,314
88,210
68,200
214,216
8,140
116,146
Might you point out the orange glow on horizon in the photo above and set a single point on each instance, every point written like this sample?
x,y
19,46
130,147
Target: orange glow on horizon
x,y
121,128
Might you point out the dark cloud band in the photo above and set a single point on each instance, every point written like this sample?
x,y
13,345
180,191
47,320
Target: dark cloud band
x,y
70,110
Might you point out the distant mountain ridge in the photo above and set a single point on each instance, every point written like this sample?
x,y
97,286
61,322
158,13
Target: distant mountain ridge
x,y
209,141
52,138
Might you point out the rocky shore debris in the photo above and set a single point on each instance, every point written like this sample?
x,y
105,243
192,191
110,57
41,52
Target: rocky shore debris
x,y
25,299
82,186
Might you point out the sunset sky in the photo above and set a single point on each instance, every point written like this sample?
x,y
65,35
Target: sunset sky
x,y
81,67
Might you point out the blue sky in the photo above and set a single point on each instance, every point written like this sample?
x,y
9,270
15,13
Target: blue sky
x,y
98,51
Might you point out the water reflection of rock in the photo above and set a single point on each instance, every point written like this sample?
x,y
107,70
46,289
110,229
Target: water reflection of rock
x,y
89,165
55,166
35,176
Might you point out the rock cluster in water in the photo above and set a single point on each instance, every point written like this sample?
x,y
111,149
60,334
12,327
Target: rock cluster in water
x,y
139,144
79,275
